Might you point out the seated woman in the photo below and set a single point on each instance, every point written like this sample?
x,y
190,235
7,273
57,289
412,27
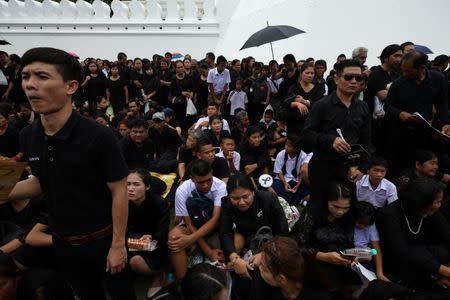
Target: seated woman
x,y
255,159
323,230
240,126
148,220
282,273
244,212
216,132
415,237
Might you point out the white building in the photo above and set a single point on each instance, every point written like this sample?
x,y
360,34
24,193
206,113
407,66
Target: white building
x,y
142,28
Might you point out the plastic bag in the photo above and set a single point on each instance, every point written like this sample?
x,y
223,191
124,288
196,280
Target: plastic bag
x,y
378,108
190,108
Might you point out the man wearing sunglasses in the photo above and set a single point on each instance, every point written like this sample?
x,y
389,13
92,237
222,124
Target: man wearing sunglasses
x,y
339,110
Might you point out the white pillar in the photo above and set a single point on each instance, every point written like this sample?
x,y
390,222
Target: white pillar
x,y
153,10
173,11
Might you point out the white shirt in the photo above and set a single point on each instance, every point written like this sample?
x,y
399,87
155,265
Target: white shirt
x,y
236,158
385,193
308,157
226,127
237,100
290,162
218,80
216,193
274,84
363,237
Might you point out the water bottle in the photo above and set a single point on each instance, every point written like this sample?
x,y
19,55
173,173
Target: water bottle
x,y
360,253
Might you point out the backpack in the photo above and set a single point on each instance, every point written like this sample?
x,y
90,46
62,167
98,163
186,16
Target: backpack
x,y
200,208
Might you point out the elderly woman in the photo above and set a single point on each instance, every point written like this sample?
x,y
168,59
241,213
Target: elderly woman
x,y
415,236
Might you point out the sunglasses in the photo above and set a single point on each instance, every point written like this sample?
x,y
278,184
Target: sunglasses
x,y
358,77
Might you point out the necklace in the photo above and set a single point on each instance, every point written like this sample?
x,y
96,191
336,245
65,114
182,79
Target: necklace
x,y
407,223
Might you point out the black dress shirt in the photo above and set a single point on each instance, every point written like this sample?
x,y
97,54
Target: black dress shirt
x,y
378,81
329,114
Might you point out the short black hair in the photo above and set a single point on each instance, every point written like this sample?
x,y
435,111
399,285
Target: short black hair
x,y
168,54
347,63
203,281
200,168
121,55
422,156
268,112
439,60
320,62
240,180
417,58
66,65
221,59
408,43
137,123
226,136
364,211
211,55
3,52
378,161
290,58
203,141
99,99
252,130
5,109
15,58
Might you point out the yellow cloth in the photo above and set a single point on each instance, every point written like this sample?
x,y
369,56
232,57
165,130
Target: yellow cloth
x,y
168,179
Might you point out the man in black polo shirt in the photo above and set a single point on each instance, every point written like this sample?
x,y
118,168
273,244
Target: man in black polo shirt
x,y
418,90
167,141
340,110
77,167
137,149
378,85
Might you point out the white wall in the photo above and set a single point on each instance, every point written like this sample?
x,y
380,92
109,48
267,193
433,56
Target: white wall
x,y
331,26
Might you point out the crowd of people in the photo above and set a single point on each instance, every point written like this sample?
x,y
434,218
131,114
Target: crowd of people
x,y
158,169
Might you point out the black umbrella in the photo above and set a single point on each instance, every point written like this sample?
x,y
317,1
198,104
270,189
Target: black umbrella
x,y
271,34
4,42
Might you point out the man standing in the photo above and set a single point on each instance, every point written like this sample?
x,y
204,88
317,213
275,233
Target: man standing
x,y
77,167
378,85
340,110
218,81
418,90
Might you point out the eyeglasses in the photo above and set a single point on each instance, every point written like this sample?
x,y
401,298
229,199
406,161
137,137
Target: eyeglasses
x,y
358,77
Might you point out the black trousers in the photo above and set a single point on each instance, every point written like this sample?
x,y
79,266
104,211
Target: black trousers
x,y
84,268
322,173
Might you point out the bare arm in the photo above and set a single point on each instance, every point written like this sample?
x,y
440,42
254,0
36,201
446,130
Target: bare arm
x,y
117,256
11,246
37,236
25,189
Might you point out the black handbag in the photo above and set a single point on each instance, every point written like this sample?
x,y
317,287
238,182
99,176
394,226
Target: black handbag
x,y
262,236
179,100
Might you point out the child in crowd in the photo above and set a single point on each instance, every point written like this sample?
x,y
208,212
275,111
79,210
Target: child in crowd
x,y
366,235
227,151
211,110
374,188
288,163
237,98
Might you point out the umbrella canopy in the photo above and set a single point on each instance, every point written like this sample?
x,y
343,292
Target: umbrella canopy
x,y
423,49
4,42
271,34
177,55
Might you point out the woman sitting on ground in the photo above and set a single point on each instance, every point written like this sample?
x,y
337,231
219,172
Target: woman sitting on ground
x,y
244,212
415,237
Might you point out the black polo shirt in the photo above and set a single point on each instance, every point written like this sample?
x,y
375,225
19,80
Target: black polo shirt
x,y
73,167
137,157
406,95
219,168
330,113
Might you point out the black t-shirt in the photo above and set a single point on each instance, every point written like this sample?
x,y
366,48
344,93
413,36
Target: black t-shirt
x,y
116,90
95,87
164,90
378,80
287,83
219,168
201,89
295,120
257,89
137,157
73,167
185,156
136,91
150,84
9,142
181,85
167,140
